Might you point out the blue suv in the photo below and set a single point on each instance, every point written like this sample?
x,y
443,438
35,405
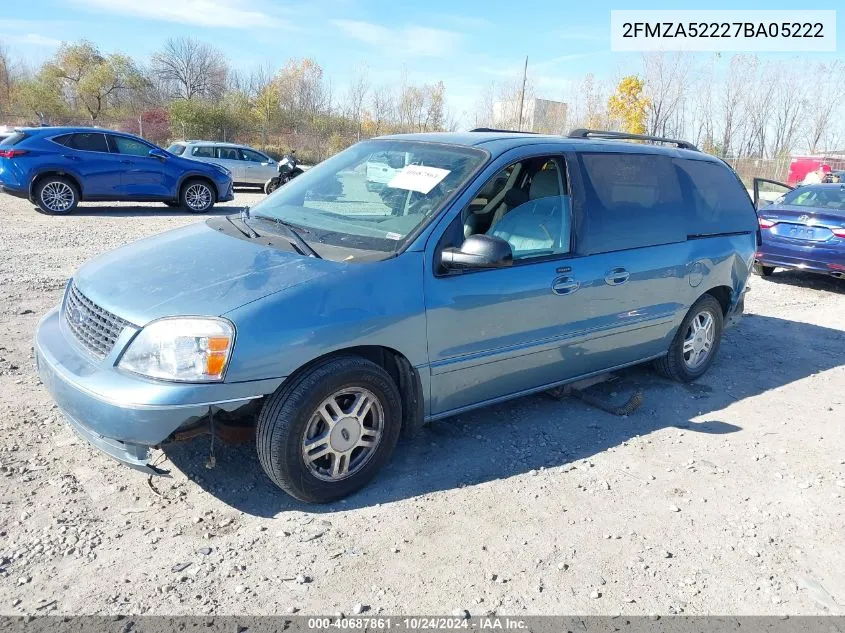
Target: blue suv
x,y
57,167
334,315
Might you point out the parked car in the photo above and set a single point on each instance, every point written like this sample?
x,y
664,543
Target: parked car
x,y
249,167
58,167
804,228
342,322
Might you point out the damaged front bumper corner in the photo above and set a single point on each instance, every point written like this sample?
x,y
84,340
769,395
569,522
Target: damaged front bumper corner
x,y
125,415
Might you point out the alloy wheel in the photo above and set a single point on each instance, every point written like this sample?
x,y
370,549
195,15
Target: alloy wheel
x,y
57,196
343,434
699,339
198,197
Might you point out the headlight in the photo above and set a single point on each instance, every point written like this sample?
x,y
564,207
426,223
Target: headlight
x,y
188,349
223,170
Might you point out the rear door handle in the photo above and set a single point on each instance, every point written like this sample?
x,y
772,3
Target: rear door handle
x,y
70,156
565,286
616,276
126,162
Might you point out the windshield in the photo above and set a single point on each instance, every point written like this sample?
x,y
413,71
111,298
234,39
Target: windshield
x,y
832,198
373,195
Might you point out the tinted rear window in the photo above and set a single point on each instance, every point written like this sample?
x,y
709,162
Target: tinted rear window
x,y
827,198
89,142
630,200
176,149
718,203
13,139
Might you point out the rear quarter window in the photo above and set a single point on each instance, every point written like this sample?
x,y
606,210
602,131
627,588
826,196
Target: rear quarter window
x,y
628,201
716,200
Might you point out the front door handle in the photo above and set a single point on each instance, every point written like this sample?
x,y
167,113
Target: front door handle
x,y
565,286
616,276
126,162
70,156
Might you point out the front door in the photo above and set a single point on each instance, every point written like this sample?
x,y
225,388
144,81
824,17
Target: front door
x,y
767,191
143,175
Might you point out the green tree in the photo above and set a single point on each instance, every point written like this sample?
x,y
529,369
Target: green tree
x,y
40,95
628,106
94,81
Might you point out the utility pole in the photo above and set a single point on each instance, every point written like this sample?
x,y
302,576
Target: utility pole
x,y
522,93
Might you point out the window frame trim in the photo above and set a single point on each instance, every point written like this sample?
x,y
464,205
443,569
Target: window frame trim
x,y
90,151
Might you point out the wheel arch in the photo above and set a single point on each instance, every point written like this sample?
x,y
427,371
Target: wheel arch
x,y
404,374
722,294
55,172
197,176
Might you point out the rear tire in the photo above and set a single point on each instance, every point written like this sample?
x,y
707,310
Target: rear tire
x,y
360,443
763,271
56,195
690,355
197,196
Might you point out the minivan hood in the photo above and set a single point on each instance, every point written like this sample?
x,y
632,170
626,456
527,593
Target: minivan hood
x,y
193,270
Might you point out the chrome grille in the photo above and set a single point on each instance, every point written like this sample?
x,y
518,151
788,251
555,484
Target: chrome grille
x,y
97,329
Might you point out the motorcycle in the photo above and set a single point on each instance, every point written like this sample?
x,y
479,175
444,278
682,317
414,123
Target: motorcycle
x,y
288,169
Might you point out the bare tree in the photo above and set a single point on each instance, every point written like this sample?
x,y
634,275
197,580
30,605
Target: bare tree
x,y
356,97
6,78
382,108
826,92
191,69
666,78
787,111
734,99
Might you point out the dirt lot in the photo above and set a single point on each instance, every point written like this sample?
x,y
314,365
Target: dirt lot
x,y
725,496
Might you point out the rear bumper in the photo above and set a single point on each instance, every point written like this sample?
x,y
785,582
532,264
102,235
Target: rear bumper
x,y
120,414
819,258
734,315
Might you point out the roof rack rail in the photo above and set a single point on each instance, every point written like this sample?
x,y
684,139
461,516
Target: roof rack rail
x,y
492,129
585,133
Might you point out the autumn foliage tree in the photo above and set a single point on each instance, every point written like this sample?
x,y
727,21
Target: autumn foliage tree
x,y
628,107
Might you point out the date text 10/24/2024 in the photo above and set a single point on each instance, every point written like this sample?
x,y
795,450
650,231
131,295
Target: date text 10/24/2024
x,y
487,623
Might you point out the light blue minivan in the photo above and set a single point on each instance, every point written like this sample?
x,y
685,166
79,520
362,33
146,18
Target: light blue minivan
x,y
334,317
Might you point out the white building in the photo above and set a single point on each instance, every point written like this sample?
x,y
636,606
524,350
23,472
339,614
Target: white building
x,y
538,115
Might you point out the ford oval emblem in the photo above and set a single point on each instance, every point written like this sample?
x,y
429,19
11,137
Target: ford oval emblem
x,y
76,317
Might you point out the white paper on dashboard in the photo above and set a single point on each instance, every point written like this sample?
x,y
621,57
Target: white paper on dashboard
x,y
418,178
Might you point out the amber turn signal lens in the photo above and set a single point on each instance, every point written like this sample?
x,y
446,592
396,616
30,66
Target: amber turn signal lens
x,y
218,343
214,364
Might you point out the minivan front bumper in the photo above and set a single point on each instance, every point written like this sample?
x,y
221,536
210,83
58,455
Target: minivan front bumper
x,y
121,414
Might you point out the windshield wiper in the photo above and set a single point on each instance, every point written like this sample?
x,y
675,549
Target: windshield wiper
x,y
251,233
295,238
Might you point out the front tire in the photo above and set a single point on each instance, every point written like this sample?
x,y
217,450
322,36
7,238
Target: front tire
x,y
271,185
328,432
56,195
696,343
197,196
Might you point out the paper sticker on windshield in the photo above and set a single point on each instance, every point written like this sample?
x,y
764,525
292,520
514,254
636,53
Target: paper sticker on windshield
x,y
418,178
394,236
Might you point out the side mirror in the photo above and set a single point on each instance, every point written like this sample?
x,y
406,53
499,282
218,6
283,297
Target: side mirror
x,y
158,153
478,251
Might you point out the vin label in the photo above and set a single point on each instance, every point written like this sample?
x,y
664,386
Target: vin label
x,y
748,30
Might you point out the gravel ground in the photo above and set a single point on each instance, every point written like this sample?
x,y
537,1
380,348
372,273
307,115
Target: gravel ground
x,y
725,496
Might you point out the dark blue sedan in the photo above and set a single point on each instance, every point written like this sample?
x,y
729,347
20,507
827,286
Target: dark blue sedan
x,y
803,229
57,167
